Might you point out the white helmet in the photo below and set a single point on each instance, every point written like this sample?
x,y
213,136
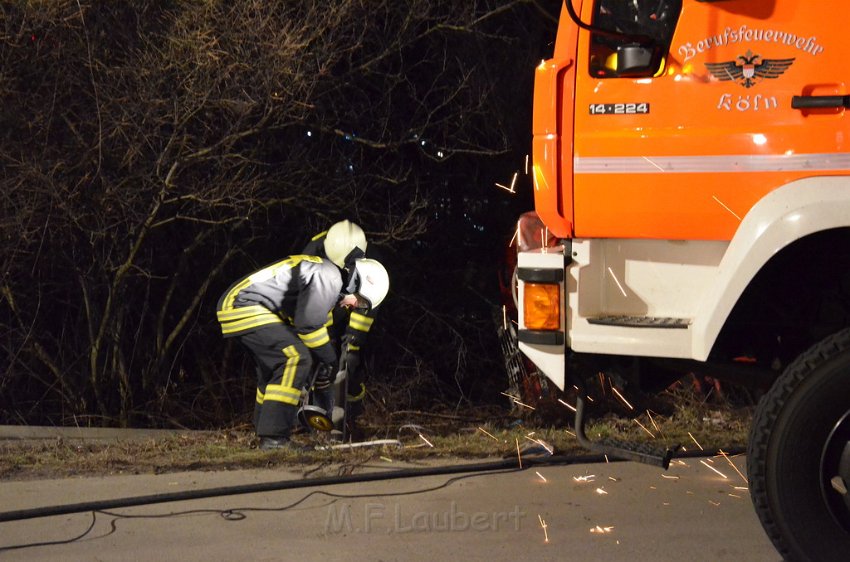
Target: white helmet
x,y
370,280
344,242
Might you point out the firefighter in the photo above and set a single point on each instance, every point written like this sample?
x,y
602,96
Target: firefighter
x,y
280,314
351,324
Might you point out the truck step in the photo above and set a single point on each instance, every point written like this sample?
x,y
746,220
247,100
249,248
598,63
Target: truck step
x,y
647,453
641,321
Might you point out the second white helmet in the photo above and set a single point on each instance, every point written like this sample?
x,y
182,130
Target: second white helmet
x,y
344,242
370,280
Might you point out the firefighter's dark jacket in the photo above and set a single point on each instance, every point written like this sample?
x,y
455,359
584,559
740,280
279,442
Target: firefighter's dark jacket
x,y
300,291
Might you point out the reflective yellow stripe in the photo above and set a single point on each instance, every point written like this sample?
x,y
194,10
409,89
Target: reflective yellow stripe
x,y
360,396
315,339
319,235
292,358
280,393
260,396
242,312
330,321
360,322
352,347
249,323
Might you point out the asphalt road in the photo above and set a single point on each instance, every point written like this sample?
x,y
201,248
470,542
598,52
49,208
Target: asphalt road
x,y
604,512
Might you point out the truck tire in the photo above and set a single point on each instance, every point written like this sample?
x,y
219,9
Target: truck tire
x,y
798,446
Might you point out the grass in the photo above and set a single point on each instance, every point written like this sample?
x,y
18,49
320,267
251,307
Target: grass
x,y
425,437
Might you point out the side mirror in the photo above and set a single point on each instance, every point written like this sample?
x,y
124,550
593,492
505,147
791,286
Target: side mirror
x,y
635,60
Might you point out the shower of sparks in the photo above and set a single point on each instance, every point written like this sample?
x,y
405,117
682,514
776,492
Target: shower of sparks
x,y
617,281
621,397
518,454
695,441
487,433
426,441
544,525
644,428
541,476
714,469
601,492
725,456
585,478
725,207
567,405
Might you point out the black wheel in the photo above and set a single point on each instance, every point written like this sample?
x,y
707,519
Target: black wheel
x,y
799,455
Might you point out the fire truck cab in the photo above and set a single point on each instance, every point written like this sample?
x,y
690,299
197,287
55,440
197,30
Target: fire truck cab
x,y
691,159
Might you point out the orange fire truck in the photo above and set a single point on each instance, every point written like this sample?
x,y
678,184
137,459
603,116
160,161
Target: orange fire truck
x,y
691,162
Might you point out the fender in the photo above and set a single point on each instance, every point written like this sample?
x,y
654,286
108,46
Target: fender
x,y
786,214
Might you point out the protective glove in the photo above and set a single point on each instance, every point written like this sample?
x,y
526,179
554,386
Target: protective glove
x,y
324,377
351,361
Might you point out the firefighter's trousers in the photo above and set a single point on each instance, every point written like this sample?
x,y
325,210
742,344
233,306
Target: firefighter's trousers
x,y
284,364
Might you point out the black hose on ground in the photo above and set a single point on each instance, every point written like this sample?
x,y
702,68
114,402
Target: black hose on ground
x,y
508,463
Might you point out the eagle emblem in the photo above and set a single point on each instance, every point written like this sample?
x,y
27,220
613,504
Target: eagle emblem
x,y
748,69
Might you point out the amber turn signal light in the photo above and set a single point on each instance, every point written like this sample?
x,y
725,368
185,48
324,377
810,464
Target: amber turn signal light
x,y
542,306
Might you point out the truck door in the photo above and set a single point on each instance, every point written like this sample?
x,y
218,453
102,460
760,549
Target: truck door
x,y
684,148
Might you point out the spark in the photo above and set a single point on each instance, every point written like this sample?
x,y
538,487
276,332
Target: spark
x,y
742,488
660,169
644,428
548,448
725,456
668,477
585,478
526,164
523,405
655,425
513,182
514,237
695,441
485,432
617,281
714,469
386,459
506,188
601,530
606,459
541,476
621,397
518,454
734,496
612,479
426,441
567,405
504,318
570,432
682,463
601,492
725,207
544,525
715,504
